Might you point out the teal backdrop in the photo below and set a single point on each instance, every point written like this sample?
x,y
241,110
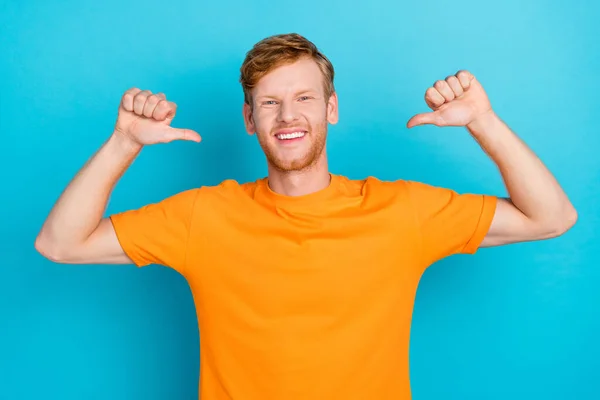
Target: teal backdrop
x,y
514,322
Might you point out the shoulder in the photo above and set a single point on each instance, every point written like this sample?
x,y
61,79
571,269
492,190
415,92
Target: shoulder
x,y
227,193
228,187
408,193
373,186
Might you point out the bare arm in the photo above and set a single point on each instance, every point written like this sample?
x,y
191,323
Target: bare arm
x,y
75,230
538,207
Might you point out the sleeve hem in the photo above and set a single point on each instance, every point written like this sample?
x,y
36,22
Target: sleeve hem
x,y
189,233
122,238
419,233
485,220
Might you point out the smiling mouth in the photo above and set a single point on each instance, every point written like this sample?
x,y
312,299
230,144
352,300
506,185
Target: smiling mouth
x,y
291,135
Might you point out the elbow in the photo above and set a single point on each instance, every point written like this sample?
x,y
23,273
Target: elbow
x,y
570,219
48,249
563,224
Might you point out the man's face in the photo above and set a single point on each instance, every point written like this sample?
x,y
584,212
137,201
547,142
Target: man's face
x,y
290,115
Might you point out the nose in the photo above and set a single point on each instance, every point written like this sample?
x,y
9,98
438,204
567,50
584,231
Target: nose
x,y
287,112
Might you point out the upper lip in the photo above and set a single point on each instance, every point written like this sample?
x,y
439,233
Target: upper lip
x,y
289,130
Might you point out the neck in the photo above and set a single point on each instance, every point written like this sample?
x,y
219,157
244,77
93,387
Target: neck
x,y
302,182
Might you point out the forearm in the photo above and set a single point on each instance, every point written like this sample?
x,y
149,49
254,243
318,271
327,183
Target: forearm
x,y
81,206
531,186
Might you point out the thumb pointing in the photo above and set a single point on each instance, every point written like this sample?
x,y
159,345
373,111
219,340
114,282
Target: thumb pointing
x,y
182,134
423,119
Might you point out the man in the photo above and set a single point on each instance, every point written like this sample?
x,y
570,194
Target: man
x,y
304,281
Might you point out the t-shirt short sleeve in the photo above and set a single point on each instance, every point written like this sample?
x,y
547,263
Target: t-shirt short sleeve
x,y
157,233
448,222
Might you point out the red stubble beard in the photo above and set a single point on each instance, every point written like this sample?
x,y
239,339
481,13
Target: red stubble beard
x,y
280,158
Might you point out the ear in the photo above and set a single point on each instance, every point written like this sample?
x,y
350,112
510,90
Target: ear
x,y
332,109
248,119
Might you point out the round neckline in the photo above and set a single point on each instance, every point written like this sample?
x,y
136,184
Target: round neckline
x,y
311,198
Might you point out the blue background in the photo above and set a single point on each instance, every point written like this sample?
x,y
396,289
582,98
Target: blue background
x,y
518,322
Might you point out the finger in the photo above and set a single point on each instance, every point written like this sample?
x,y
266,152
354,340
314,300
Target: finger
x,y
433,98
150,105
444,89
164,109
465,78
455,85
181,134
127,100
139,101
424,119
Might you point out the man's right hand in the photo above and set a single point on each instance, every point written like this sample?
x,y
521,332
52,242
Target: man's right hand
x,y
145,118
75,231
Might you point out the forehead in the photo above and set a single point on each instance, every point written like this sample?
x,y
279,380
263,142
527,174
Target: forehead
x,y
303,74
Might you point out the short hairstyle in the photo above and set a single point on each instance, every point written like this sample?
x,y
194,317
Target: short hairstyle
x,y
275,51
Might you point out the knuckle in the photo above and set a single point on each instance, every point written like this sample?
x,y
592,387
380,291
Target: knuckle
x,y
132,90
139,99
167,105
463,74
153,99
160,109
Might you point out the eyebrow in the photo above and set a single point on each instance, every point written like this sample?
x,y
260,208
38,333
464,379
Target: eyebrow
x,y
298,93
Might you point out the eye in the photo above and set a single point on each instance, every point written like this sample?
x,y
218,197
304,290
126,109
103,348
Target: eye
x,y
269,102
303,98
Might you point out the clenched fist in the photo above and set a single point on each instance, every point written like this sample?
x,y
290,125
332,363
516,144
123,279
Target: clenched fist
x,y
458,100
145,118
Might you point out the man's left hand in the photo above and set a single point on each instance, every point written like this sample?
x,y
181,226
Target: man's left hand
x,y
457,101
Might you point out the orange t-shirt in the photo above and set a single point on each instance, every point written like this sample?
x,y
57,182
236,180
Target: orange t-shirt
x,y
306,297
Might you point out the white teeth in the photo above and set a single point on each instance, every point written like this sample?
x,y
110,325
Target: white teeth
x,y
292,135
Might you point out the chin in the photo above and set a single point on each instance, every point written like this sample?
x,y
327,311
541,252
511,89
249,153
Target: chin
x,y
294,159
291,165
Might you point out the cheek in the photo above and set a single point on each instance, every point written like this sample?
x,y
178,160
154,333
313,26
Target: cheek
x,y
260,122
316,120
318,112
264,125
